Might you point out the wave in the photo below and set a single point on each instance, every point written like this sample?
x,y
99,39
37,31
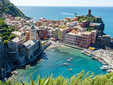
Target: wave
x,y
66,13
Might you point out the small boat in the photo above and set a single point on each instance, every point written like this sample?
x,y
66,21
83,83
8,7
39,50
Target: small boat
x,y
95,58
105,67
89,55
68,60
109,70
102,62
82,52
70,69
65,64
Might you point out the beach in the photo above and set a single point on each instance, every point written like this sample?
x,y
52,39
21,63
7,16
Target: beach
x,y
105,55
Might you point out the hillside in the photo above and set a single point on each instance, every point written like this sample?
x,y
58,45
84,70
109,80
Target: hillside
x,y
10,8
5,32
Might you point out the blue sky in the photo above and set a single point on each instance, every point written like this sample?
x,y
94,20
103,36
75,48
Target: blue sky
x,y
63,2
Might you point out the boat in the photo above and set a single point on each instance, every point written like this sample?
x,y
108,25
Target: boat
x,y
102,62
82,52
95,58
105,67
109,70
65,64
68,60
89,55
70,69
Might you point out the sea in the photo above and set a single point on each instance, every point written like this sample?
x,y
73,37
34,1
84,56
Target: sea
x,y
53,65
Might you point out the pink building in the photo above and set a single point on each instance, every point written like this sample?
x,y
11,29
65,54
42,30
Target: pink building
x,y
82,39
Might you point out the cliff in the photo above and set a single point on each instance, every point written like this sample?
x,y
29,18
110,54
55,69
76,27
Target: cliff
x,y
9,8
93,19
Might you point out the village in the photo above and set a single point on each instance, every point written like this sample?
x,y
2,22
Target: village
x,y
32,36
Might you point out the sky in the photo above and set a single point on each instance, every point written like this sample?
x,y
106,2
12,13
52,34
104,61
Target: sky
x,y
63,2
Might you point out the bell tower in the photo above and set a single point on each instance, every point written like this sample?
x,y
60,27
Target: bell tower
x,y
33,33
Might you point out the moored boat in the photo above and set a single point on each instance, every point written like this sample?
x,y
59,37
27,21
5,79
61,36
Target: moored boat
x,y
65,64
70,69
105,67
109,70
68,60
102,62
82,52
94,58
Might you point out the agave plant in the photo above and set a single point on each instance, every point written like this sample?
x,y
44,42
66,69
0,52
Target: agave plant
x,y
79,79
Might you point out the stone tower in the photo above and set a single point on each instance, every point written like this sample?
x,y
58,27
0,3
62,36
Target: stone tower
x,y
33,33
89,12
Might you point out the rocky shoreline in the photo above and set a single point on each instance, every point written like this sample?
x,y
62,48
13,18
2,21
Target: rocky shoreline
x,y
35,60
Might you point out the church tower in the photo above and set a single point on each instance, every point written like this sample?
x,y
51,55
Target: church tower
x,y
33,33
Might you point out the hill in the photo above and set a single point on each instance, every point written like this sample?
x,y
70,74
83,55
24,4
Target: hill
x,y
9,8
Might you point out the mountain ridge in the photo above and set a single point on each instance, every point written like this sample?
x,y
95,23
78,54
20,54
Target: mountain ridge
x,y
9,8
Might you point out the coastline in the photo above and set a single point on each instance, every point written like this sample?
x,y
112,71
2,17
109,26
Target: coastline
x,y
29,63
60,44
105,55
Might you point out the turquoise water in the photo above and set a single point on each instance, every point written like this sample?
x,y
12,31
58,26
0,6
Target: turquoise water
x,y
54,64
55,13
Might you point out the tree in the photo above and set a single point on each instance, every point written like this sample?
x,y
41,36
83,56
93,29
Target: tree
x,y
6,43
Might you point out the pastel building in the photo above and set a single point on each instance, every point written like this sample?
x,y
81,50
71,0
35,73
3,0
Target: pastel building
x,y
70,38
62,32
55,33
82,39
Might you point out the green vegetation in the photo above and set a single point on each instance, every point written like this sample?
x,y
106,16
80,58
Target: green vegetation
x,y
88,18
44,43
9,8
80,79
5,32
91,28
92,19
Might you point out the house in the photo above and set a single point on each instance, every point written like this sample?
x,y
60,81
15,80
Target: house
x,y
14,44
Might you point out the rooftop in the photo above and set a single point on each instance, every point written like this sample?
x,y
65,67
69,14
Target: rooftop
x,y
97,24
86,33
30,43
17,33
16,39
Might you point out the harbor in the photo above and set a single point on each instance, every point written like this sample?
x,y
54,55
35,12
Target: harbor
x,y
57,64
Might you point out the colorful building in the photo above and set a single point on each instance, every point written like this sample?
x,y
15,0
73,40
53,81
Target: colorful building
x,y
43,33
82,39
55,33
